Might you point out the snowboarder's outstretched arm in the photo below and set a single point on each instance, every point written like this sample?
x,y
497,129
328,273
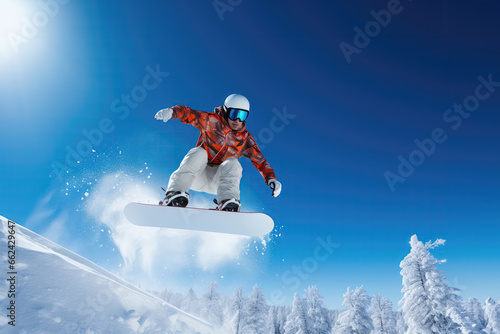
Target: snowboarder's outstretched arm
x,y
257,158
185,114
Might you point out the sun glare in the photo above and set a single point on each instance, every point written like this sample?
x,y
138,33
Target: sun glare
x,y
13,14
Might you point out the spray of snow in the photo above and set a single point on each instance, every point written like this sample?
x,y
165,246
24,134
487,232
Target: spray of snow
x,y
84,212
150,247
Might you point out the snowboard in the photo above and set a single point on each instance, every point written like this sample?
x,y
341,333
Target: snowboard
x,y
252,224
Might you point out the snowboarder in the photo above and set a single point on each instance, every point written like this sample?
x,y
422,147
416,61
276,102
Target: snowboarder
x,y
212,166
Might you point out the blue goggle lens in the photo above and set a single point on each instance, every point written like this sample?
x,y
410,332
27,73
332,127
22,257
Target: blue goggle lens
x,y
240,114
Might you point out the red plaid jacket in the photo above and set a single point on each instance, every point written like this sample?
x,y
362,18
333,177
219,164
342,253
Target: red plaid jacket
x,y
221,142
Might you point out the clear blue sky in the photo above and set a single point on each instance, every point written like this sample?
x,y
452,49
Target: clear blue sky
x,y
351,123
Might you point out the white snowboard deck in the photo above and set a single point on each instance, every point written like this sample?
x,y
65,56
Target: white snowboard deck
x,y
251,224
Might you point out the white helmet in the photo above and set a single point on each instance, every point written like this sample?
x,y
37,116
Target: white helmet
x,y
237,101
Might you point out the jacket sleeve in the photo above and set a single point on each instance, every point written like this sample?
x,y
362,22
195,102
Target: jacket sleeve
x,y
186,115
257,158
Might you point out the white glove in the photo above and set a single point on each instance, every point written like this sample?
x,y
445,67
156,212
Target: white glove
x,y
164,114
275,186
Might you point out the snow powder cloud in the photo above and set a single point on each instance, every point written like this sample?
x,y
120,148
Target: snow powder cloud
x,y
144,248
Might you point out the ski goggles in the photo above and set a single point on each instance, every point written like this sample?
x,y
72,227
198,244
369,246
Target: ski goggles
x,y
234,114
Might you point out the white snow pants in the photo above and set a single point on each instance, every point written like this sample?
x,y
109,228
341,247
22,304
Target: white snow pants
x,y
194,173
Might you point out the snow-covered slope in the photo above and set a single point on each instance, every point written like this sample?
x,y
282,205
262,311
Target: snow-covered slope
x,y
58,291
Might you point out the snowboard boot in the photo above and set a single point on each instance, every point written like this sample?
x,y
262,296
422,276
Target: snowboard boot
x,y
229,205
176,198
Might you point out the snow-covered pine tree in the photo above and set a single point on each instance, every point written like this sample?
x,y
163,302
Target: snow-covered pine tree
x,y
334,315
400,323
189,304
318,320
355,320
165,294
296,321
281,319
476,311
460,321
256,312
492,311
210,307
237,310
271,321
425,293
171,297
429,305
383,316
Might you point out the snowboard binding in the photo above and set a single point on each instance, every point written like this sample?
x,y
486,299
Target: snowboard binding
x,y
176,198
232,205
